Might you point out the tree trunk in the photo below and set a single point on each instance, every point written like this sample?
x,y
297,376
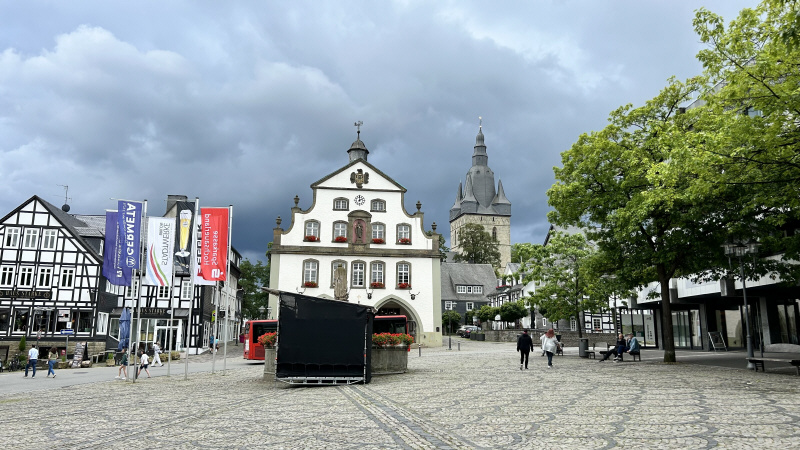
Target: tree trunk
x,y
666,319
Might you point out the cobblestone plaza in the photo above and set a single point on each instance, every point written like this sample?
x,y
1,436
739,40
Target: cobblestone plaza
x,y
473,398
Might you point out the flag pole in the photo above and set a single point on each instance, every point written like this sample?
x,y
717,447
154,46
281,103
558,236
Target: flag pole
x,y
215,326
227,295
192,264
138,274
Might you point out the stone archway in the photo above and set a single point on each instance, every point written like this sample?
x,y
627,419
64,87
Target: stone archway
x,y
392,305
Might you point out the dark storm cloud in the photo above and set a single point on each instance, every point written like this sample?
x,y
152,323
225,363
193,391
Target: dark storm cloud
x,y
248,104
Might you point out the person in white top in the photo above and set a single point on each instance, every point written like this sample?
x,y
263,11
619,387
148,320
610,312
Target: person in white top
x,y
144,359
33,355
550,345
156,353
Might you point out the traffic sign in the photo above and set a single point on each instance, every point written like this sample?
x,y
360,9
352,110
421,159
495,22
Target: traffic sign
x,y
65,331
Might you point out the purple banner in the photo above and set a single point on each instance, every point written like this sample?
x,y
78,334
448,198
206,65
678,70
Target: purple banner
x,y
112,252
130,227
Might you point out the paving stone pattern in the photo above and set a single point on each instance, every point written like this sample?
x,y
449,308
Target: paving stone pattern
x,y
476,398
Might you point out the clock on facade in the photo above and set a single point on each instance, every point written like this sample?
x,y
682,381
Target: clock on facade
x,y
359,200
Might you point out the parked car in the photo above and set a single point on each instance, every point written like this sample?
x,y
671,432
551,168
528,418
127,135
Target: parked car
x,y
465,330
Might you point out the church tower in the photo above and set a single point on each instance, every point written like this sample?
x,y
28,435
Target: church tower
x,y
479,202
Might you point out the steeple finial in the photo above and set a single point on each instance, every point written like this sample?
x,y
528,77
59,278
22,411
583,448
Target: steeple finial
x,y
358,128
480,122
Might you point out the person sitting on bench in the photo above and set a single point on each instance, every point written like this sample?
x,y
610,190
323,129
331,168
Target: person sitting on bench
x,y
618,349
633,345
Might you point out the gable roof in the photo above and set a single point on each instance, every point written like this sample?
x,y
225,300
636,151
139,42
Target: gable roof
x,y
454,274
316,184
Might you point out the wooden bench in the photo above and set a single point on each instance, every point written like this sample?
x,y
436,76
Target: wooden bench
x,y
590,352
607,350
759,362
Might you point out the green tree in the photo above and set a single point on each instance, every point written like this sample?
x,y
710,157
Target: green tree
x,y
751,131
487,313
251,279
451,319
476,246
562,272
634,189
512,312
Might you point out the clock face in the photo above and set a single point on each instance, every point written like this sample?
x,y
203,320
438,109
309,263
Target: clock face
x,y
359,200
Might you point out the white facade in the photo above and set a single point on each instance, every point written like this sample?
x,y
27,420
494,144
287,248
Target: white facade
x,y
386,254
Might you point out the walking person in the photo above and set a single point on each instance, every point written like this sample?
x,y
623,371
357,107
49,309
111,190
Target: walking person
x,y
52,357
524,346
550,345
156,353
144,360
33,356
122,373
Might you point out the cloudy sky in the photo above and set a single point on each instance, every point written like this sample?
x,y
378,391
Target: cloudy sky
x,y
248,103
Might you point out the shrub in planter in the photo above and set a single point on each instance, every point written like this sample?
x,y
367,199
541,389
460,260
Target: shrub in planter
x,y
311,238
377,285
403,286
378,241
340,239
382,340
404,241
310,284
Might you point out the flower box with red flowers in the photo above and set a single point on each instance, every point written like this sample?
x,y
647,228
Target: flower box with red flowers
x,y
377,285
311,239
403,286
404,241
340,239
268,339
378,241
310,284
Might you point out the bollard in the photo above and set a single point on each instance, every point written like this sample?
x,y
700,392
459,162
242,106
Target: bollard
x,y
449,342
459,346
419,346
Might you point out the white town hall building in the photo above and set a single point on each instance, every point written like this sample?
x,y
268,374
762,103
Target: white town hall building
x,y
357,221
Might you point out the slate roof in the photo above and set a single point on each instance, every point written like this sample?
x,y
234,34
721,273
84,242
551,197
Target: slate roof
x,y
467,274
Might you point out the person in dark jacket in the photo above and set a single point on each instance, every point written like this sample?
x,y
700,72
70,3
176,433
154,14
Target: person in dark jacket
x,y
524,346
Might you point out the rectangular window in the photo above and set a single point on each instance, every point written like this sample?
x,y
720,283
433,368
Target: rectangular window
x,y
31,239
45,275
596,324
477,289
312,229
67,278
102,323
340,204
449,306
339,230
25,277
113,328
544,323
378,231
6,275
186,290
163,292
12,238
403,233
403,273
470,306
358,274
49,239
461,289
378,205
20,323
132,291
310,272
573,324
82,321
376,273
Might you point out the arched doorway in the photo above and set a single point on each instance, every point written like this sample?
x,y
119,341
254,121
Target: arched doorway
x,y
393,306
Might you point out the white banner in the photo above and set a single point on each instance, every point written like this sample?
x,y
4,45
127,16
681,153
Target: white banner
x,y
160,241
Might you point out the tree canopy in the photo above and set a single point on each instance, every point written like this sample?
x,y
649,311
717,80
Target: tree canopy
x,y
251,279
476,246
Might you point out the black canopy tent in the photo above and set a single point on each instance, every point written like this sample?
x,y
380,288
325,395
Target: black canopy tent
x,y
323,341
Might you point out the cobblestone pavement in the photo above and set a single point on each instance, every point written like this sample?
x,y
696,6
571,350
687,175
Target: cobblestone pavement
x,y
473,398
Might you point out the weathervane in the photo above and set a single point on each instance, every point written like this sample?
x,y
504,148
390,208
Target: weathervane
x,y
358,128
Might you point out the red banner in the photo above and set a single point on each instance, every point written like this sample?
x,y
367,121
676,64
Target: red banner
x,y
213,243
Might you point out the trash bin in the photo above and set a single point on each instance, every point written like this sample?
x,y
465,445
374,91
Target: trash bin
x,y
583,345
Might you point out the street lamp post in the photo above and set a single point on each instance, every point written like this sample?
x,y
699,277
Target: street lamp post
x,y
739,251
261,312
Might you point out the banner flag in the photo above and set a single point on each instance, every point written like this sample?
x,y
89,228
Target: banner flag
x,y
184,237
160,242
214,243
112,252
130,227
